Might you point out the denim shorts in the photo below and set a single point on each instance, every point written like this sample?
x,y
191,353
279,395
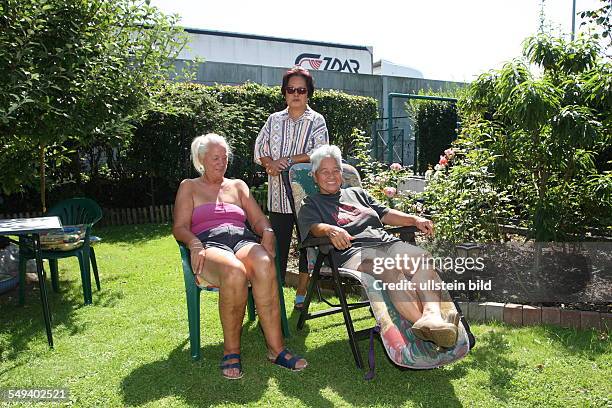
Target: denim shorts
x,y
228,237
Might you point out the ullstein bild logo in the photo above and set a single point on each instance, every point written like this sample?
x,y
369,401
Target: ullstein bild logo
x,y
315,61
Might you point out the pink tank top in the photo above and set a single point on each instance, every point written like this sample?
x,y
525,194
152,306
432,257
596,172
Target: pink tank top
x,y
211,215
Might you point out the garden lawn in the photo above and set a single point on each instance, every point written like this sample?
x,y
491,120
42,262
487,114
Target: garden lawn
x,y
130,348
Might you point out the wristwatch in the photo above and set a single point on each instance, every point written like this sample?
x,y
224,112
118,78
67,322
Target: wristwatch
x,y
290,161
268,229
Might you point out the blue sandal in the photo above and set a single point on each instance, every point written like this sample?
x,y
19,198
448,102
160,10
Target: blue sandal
x,y
299,302
289,364
226,366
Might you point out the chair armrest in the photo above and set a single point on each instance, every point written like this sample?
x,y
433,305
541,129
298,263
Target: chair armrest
x,y
315,242
318,241
399,230
406,234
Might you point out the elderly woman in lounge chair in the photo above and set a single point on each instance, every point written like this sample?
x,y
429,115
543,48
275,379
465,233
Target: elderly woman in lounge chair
x,y
353,221
210,215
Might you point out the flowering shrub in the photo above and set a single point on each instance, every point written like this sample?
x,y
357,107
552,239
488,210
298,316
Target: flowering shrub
x,y
461,197
381,180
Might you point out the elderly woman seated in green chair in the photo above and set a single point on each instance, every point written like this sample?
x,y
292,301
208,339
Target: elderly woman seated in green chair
x,y
210,216
353,220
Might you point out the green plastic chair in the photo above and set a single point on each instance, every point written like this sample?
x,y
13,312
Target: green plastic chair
x,y
74,211
192,290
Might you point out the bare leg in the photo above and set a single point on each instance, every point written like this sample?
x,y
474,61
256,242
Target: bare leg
x,y
223,269
406,302
302,284
261,272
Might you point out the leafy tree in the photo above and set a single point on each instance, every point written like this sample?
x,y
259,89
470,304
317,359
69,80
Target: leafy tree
x,y
546,132
75,69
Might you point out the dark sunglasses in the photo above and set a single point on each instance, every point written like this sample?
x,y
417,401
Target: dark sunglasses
x,y
291,90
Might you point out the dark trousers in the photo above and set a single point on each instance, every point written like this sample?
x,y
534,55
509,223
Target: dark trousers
x,y
282,224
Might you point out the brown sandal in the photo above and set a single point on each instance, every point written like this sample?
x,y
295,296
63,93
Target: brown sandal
x,y
442,334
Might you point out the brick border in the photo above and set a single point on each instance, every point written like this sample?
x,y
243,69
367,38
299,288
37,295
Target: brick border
x,y
523,315
526,315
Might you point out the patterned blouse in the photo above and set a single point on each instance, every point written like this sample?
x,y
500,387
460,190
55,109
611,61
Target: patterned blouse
x,y
282,136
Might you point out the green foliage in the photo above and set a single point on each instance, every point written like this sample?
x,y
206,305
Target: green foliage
x,y
343,113
544,138
75,69
144,163
465,203
159,153
245,109
599,20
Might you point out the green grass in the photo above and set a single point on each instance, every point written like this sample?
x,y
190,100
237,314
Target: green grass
x,y
130,349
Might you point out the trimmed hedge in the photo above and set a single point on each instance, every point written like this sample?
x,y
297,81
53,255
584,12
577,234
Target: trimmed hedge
x,y
435,128
147,167
342,112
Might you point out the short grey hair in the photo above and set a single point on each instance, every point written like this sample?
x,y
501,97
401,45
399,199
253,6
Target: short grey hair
x,y
200,146
323,152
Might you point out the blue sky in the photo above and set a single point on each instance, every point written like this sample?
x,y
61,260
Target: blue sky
x,y
446,40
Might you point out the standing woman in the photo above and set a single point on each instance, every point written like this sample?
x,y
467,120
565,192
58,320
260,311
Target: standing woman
x,y
289,137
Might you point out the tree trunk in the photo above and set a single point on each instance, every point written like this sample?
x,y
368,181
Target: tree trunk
x,y
152,191
41,163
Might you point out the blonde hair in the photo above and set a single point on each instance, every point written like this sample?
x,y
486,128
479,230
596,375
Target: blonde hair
x,y
200,146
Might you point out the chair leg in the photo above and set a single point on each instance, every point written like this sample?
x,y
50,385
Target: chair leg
x,y
87,275
314,283
281,298
54,274
84,277
251,305
348,321
193,316
94,266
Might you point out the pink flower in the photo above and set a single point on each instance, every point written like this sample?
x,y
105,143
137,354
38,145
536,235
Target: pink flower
x,y
389,191
395,166
449,153
443,161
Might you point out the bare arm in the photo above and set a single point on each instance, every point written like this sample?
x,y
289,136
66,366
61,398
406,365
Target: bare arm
x,y
338,236
181,229
183,208
258,220
401,219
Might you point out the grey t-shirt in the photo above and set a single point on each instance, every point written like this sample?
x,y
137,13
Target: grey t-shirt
x,y
352,209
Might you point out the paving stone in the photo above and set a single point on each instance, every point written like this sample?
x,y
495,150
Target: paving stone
x,y
513,314
590,320
532,315
570,318
551,315
494,311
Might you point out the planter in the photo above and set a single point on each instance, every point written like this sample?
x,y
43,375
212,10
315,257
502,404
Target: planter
x,y
8,282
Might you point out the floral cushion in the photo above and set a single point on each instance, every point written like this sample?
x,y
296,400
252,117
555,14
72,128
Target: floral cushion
x,y
401,345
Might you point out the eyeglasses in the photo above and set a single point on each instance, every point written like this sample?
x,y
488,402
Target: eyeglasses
x,y
291,90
